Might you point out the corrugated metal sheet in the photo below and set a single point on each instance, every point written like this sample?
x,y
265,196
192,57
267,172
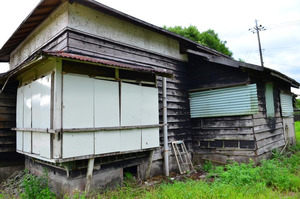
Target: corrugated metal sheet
x,y
147,69
286,102
241,100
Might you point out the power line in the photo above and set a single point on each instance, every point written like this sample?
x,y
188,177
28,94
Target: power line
x,y
283,64
283,25
256,29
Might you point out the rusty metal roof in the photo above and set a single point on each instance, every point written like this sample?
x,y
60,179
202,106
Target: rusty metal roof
x,y
45,7
39,14
84,58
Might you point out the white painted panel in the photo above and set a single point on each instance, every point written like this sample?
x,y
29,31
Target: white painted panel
x,y
131,112
45,101
106,103
41,144
41,99
107,142
131,139
20,140
20,106
19,122
27,106
27,141
78,144
150,112
150,138
78,101
35,103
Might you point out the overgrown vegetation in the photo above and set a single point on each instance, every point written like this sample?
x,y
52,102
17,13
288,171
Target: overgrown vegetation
x,y
27,186
36,187
278,177
297,130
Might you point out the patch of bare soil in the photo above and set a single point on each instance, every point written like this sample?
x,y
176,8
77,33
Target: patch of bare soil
x,y
12,186
198,175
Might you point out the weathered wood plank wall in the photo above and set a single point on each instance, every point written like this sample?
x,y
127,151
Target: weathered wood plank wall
x,y
236,137
268,131
8,156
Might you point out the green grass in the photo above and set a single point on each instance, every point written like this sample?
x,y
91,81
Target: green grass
x,y
297,129
278,177
275,178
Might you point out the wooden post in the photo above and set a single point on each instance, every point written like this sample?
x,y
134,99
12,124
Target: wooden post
x,y
89,174
149,164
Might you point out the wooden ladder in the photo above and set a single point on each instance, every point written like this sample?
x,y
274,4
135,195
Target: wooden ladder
x,y
182,157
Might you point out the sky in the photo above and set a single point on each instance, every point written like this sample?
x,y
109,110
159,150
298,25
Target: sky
x,y
231,19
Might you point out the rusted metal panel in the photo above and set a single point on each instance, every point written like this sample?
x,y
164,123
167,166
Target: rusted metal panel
x,y
108,63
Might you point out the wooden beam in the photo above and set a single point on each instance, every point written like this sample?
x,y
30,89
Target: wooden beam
x,y
89,174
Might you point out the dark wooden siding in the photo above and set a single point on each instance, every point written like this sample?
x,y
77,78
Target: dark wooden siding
x,y
59,43
8,155
223,138
268,131
237,137
177,88
206,75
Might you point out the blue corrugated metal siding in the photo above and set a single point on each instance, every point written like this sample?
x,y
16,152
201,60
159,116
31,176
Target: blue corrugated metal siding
x,y
286,102
241,100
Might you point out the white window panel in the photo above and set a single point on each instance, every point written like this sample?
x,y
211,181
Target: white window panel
x,y
20,107
78,144
41,144
150,138
78,101
106,103
131,111
20,140
107,142
27,141
35,103
27,107
131,139
149,99
20,112
45,101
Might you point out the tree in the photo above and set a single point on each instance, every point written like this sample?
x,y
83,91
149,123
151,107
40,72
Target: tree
x,y
207,38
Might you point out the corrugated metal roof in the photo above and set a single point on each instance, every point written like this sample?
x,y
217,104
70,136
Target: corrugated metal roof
x,y
68,55
240,100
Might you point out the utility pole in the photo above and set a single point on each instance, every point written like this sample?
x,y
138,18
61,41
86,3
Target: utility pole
x,y
256,30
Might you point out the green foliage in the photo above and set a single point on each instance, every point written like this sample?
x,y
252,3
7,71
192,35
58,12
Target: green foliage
x,y
297,103
208,166
207,38
36,187
297,131
279,173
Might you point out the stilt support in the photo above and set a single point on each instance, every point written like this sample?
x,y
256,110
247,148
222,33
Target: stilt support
x,y
149,164
89,174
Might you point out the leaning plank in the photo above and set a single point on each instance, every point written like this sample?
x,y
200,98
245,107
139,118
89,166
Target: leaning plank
x,y
269,140
270,147
264,135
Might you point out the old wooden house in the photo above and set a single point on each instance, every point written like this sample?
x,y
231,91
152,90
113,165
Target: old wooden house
x,y
85,91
